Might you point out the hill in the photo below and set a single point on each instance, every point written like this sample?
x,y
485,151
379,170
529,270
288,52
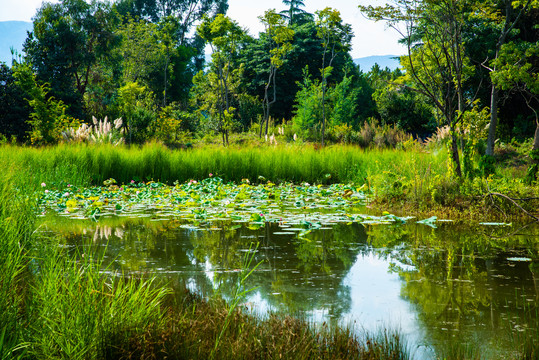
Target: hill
x,y
366,63
12,34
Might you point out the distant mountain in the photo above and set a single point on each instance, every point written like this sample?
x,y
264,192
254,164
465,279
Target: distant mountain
x,y
366,63
12,34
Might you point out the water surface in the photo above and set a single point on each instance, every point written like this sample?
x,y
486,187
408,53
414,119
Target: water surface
x,y
444,287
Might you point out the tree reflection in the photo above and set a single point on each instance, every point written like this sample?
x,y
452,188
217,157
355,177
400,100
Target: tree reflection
x,y
463,284
297,275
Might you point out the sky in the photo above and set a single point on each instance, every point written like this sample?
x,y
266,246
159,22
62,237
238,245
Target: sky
x,y
370,38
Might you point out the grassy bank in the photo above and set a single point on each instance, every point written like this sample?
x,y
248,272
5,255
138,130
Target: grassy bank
x,y
412,180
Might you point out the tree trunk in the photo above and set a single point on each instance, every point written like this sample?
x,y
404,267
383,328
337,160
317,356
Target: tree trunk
x,y
535,146
323,111
455,154
508,26
493,121
533,168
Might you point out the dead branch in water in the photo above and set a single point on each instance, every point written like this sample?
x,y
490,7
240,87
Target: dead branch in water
x,y
513,201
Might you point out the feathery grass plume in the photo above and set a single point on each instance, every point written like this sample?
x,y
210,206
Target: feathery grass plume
x,y
104,133
441,135
101,132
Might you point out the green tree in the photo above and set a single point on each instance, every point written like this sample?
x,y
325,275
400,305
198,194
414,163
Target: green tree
x,y
436,63
279,36
344,99
517,71
295,14
137,106
143,54
225,38
47,113
336,36
306,50
14,109
67,40
187,12
407,109
505,21
308,110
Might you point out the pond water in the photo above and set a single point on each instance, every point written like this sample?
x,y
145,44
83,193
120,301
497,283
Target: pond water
x,y
442,287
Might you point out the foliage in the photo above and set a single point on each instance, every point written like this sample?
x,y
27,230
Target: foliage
x,y
168,124
406,109
308,114
67,40
306,51
225,37
436,62
48,117
336,37
344,103
136,104
143,53
15,109
294,14
280,37
474,130
186,11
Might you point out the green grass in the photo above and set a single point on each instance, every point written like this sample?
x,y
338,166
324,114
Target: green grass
x,y
16,226
81,164
82,313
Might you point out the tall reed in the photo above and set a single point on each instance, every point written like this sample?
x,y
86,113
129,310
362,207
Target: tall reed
x,y
16,226
81,312
96,163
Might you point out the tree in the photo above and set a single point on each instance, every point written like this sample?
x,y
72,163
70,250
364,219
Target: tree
x,y
517,71
137,106
406,109
294,14
225,38
186,12
306,51
436,61
66,41
308,112
506,25
336,36
14,109
47,113
344,102
143,54
279,37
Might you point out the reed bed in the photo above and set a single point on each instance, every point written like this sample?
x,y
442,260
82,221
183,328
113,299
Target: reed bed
x,y
192,332
92,164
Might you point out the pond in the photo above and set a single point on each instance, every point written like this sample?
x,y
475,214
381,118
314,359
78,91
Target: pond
x,y
442,285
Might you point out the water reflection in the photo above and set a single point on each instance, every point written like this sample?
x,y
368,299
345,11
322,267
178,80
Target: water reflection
x,y
442,287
